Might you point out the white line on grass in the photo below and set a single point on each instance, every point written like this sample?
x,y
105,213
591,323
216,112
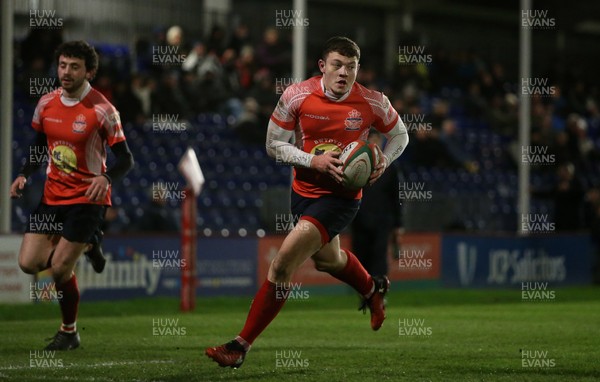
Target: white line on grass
x,y
92,365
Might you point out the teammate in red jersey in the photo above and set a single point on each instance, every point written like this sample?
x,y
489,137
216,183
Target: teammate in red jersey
x,y
74,122
323,114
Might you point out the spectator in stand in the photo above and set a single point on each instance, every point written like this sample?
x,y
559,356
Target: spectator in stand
x,y
246,67
250,127
427,150
170,98
215,43
568,196
103,83
379,219
144,88
475,105
579,146
158,217
38,48
502,115
240,38
273,54
577,98
264,93
439,113
201,61
454,148
129,106
231,84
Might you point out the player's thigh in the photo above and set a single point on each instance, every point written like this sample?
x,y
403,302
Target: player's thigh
x,y
80,222
65,257
330,256
35,251
300,244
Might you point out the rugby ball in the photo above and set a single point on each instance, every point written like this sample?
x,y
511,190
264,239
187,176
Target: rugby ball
x,y
359,159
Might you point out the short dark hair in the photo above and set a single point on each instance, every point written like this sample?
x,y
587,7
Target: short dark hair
x,y
341,45
78,49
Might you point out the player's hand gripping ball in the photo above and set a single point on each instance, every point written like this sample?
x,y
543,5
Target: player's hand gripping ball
x,y
359,160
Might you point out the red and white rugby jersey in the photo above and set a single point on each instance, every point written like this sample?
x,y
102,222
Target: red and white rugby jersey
x,y
77,136
322,124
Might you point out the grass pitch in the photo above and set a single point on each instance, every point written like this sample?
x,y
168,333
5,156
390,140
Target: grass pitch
x,y
432,335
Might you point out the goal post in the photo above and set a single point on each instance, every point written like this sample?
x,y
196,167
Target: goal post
x,y
191,171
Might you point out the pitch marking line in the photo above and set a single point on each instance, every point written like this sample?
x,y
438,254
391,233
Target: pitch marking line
x,y
91,365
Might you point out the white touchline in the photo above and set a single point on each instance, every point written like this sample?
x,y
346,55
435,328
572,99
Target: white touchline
x,y
74,365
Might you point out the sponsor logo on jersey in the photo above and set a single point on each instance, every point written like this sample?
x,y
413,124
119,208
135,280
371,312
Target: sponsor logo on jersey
x,y
322,148
354,121
315,116
79,124
114,119
64,158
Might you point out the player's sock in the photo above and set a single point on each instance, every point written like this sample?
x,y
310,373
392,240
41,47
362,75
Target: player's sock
x,y
69,303
355,275
264,308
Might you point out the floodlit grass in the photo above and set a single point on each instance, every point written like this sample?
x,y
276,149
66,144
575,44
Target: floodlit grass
x,y
475,335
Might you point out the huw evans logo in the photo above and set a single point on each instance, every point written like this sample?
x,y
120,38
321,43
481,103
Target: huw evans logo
x,y
38,86
290,291
168,123
537,155
413,191
167,327
44,19
413,260
44,358
537,19
44,291
167,191
536,358
413,55
413,327
168,259
416,122
167,55
290,18
535,86
536,292
537,223
290,358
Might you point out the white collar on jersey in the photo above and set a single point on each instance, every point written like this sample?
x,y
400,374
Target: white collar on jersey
x,y
74,101
332,96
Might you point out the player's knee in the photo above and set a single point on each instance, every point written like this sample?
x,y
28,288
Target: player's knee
x,y
61,271
28,267
324,266
329,263
281,273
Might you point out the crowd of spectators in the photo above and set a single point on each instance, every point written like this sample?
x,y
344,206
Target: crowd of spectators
x,y
234,73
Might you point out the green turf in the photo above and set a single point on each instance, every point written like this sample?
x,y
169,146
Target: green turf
x,y
467,336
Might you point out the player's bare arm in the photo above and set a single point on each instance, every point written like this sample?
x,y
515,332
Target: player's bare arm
x,y
17,187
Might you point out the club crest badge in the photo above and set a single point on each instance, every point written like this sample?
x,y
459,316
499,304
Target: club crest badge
x,y
79,124
354,121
